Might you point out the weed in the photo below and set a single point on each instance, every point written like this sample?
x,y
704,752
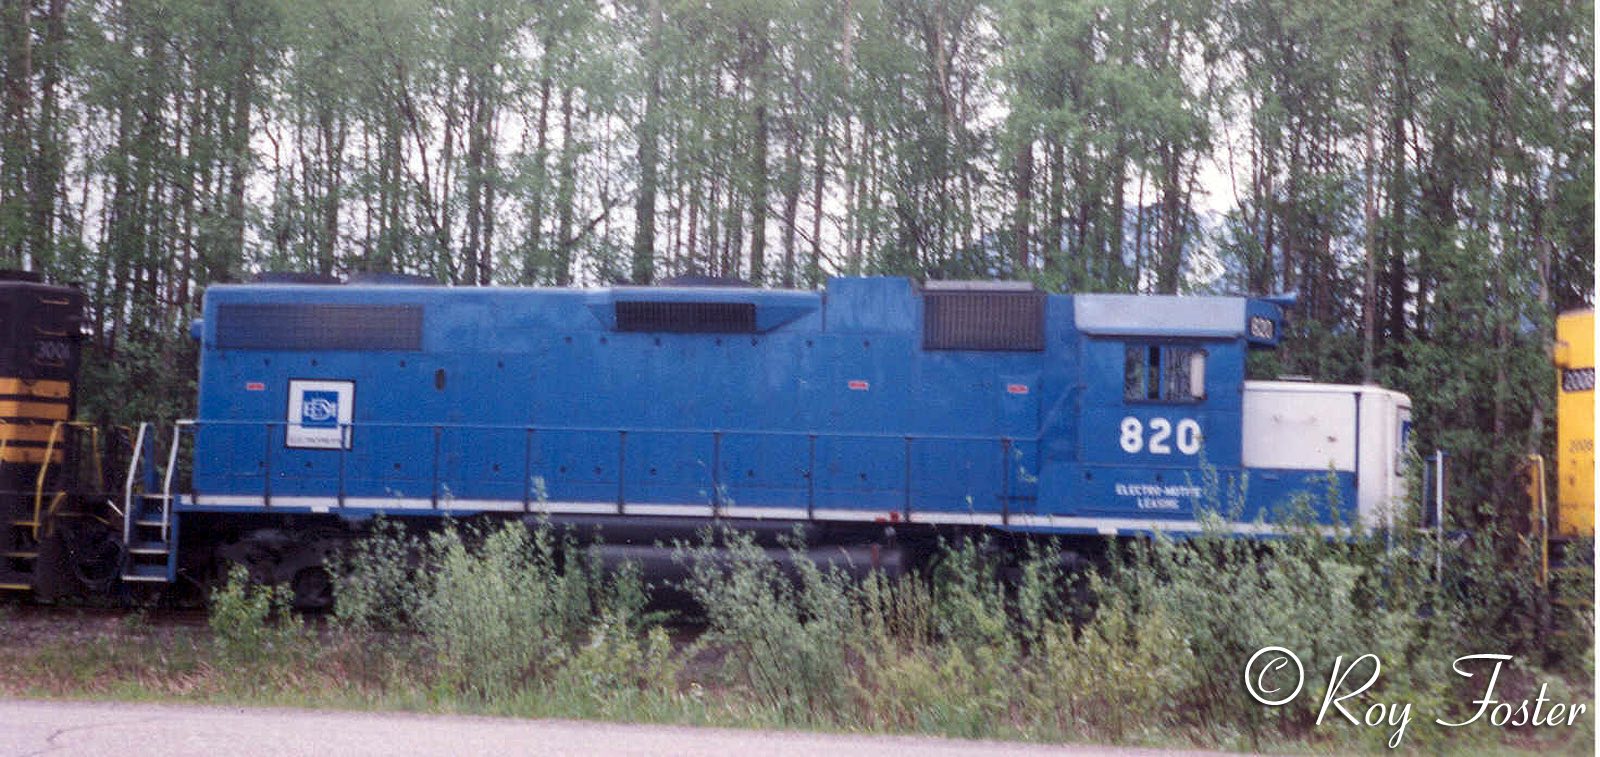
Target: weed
x,y
784,640
373,580
252,626
516,620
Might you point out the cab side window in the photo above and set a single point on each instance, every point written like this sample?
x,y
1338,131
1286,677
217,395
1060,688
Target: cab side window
x,y
1164,373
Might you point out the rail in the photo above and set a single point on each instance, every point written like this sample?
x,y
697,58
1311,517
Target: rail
x,y
276,432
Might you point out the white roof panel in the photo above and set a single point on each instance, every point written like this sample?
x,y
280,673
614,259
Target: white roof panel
x,y
1134,314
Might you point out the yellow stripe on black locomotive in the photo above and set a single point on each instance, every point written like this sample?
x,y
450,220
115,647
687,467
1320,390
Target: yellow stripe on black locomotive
x,y
29,413
40,334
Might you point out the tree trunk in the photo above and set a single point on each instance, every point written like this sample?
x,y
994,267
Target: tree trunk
x,y
533,245
49,156
758,161
819,175
1170,232
1057,199
851,228
791,200
239,153
1022,176
565,192
16,140
644,235
1369,289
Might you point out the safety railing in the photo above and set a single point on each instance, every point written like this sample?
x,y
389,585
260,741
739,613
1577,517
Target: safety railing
x,y
129,510
41,514
167,477
273,435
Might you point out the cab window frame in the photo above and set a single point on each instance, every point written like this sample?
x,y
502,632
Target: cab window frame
x,y
1161,372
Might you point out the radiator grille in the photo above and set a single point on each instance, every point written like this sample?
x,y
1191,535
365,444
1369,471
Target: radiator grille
x,y
687,317
1000,321
319,327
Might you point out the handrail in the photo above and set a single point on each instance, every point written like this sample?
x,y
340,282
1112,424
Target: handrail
x,y
95,455
166,484
127,484
1008,446
44,470
55,504
1536,462
352,427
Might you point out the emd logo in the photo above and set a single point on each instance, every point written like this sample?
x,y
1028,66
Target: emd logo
x,y
319,409
320,414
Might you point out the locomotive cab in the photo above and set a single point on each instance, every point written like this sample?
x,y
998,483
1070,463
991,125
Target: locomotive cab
x,y
1168,425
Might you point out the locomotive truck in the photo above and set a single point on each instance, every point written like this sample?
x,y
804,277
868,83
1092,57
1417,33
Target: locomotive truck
x,y
876,415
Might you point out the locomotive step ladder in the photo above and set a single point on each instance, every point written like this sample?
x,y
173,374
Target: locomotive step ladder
x,y
28,522
149,532
19,549
25,517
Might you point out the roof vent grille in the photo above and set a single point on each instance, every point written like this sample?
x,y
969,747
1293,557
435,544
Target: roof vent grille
x,y
687,317
983,319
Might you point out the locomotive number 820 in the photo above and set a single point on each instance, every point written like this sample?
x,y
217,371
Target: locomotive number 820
x,y
1162,437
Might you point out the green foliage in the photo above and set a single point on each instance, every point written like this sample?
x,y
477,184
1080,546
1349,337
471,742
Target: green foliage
x,y
252,626
374,579
159,147
500,611
784,640
1160,650
970,601
1572,644
1145,647
618,672
144,379
1105,678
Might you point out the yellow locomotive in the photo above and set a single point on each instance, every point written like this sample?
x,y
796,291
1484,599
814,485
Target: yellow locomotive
x,y
1573,516
1569,516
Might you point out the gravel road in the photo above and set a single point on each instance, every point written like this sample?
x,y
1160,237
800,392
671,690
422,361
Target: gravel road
x,y
103,728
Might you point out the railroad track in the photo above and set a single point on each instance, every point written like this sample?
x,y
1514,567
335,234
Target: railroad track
x,y
25,613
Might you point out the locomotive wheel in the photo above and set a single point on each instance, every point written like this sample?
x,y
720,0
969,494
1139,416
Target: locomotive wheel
x,y
97,558
313,589
78,560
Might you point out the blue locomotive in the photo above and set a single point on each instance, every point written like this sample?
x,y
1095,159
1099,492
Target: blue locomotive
x,y
875,415
876,412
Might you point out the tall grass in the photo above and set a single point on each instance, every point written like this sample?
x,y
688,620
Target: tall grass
x,y
785,642
1147,646
252,623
